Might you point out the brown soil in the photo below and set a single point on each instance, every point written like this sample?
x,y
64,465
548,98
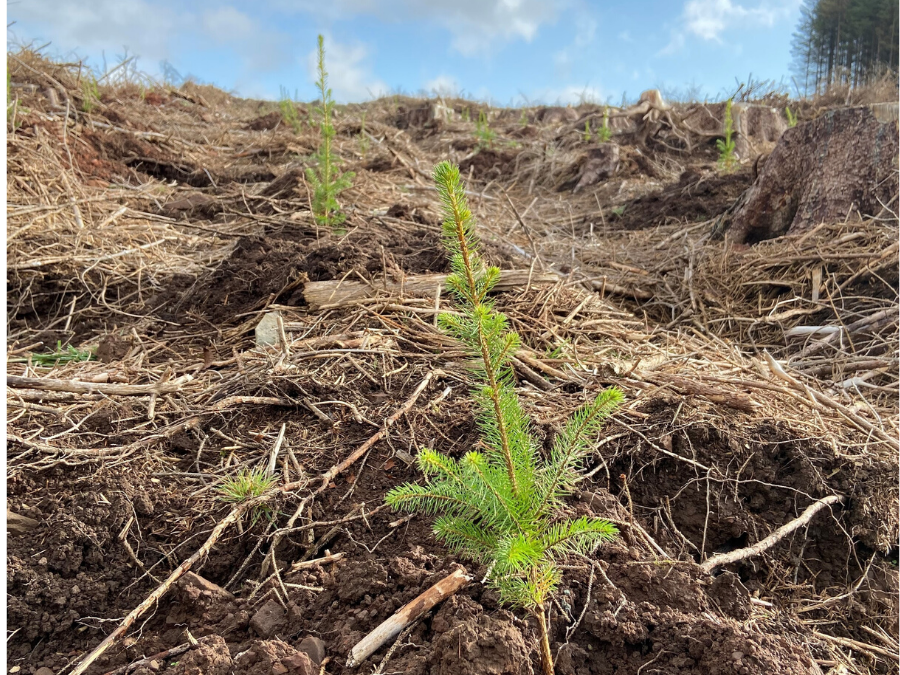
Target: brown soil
x,y
698,195
235,237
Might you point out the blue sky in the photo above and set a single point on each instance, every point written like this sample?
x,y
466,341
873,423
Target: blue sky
x,y
504,51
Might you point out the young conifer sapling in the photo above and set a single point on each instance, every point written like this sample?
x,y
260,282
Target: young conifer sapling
x,y
791,118
326,179
502,504
604,134
726,146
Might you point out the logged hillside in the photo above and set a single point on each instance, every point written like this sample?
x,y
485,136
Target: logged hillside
x,y
151,231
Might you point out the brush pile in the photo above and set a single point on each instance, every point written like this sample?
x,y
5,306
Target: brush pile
x,y
154,232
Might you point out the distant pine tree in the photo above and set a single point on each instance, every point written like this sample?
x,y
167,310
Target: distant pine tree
x,y
847,42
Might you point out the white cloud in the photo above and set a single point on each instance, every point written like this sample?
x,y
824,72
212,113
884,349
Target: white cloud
x,y
573,94
476,26
148,30
442,85
259,49
585,31
625,36
708,19
348,73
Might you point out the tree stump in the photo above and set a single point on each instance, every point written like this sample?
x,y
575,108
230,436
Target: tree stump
x,y
818,172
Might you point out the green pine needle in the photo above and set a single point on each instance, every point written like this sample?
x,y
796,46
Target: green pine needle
x,y
501,505
245,485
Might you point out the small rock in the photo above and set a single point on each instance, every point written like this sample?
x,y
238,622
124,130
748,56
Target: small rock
x,y
737,656
267,332
314,648
194,585
268,619
279,669
153,665
300,664
16,524
44,670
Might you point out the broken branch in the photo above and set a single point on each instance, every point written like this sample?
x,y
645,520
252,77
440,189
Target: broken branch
x,y
772,539
406,615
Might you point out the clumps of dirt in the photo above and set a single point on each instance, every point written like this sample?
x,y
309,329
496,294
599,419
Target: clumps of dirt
x,y
555,115
697,196
264,269
259,270
639,614
489,164
780,475
72,566
265,122
469,641
413,115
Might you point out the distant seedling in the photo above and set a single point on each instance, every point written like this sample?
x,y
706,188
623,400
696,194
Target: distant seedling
x,y
791,119
587,131
289,111
726,146
501,504
523,119
327,181
466,117
604,134
90,94
483,132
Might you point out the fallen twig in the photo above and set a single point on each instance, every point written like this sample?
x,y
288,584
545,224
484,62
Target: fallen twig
x,y
161,590
406,615
859,646
772,539
77,387
818,397
303,564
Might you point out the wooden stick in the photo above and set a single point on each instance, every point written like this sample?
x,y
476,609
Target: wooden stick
x,y
273,456
77,387
738,401
232,517
406,615
526,230
337,293
824,400
329,475
303,564
855,327
859,646
161,590
772,539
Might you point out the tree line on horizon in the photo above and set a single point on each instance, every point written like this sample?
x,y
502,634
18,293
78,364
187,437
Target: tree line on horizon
x,y
844,42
